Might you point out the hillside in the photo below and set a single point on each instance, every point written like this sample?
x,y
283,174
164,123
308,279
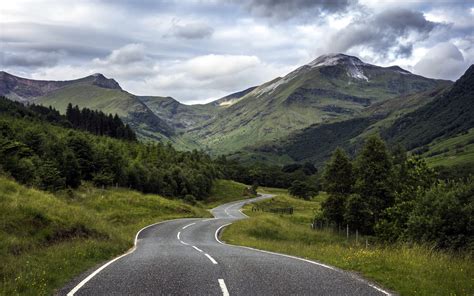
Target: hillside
x,y
435,116
43,246
329,89
332,88
93,92
446,116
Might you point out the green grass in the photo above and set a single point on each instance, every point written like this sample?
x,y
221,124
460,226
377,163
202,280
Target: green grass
x,y
46,239
224,191
409,270
456,150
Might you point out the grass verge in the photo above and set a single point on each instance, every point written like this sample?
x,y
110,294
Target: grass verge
x,y
47,239
409,270
224,191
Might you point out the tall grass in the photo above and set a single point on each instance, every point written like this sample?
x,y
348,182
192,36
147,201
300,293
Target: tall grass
x,y
47,239
225,191
409,270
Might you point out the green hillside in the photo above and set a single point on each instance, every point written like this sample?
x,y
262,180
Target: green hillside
x,y
446,116
43,246
324,91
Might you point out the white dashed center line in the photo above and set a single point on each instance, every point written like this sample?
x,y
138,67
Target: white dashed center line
x,y
188,225
210,258
197,249
225,292
179,233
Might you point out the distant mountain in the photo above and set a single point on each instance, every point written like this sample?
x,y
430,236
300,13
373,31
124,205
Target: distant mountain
x,y
94,92
329,89
312,100
441,120
448,115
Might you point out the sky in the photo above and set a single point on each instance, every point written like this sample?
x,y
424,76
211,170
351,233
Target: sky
x,y
200,50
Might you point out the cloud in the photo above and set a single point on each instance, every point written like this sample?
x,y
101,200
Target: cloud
x,y
284,9
388,32
30,59
194,30
212,65
443,61
128,62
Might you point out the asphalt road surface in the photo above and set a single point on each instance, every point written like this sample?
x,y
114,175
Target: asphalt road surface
x,y
185,257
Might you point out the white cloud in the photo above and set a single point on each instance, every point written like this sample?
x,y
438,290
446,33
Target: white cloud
x,y
443,61
195,50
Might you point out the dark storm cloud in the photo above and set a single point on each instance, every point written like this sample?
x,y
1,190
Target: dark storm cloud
x,y
30,59
284,9
74,41
383,31
195,30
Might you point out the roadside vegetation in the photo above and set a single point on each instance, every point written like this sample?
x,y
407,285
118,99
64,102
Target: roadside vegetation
x,y
409,269
224,191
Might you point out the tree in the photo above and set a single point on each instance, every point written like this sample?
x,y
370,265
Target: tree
x,y
338,181
338,177
70,170
301,189
50,177
358,214
374,182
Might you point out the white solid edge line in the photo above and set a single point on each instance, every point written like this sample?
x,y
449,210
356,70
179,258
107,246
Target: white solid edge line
x,y
210,258
197,249
225,292
184,227
297,258
179,233
89,277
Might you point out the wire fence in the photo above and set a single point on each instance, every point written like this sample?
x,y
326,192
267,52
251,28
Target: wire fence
x,y
350,234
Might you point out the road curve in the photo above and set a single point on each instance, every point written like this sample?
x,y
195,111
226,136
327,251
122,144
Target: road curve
x,y
185,257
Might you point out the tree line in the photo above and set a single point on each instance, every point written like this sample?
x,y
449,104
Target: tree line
x,y
397,198
95,122
98,123
52,157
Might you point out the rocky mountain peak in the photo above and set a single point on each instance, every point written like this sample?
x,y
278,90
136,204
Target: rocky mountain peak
x,y
102,81
334,59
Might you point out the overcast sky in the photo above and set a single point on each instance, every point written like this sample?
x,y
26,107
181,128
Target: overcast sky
x,y
197,51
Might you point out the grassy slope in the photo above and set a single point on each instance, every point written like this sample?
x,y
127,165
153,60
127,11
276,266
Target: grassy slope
x,y
93,97
415,270
270,116
452,151
47,239
224,191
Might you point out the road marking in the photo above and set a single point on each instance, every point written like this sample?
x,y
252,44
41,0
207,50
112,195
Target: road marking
x,y
197,249
225,210
210,258
188,225
84,281
186,244
216,236
179,233
88,278
225,292
209,219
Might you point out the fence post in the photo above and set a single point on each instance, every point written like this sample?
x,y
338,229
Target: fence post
x,y
357,236
347,231
366,243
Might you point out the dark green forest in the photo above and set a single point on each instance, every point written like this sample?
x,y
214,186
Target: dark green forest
x,y
37,148
95,122
397,198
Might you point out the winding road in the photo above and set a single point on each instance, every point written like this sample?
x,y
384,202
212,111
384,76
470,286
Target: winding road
x,y
186,257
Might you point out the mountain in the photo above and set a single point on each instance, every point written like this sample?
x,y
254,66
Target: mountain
x,y
331,88
94,92
436,123
448,115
